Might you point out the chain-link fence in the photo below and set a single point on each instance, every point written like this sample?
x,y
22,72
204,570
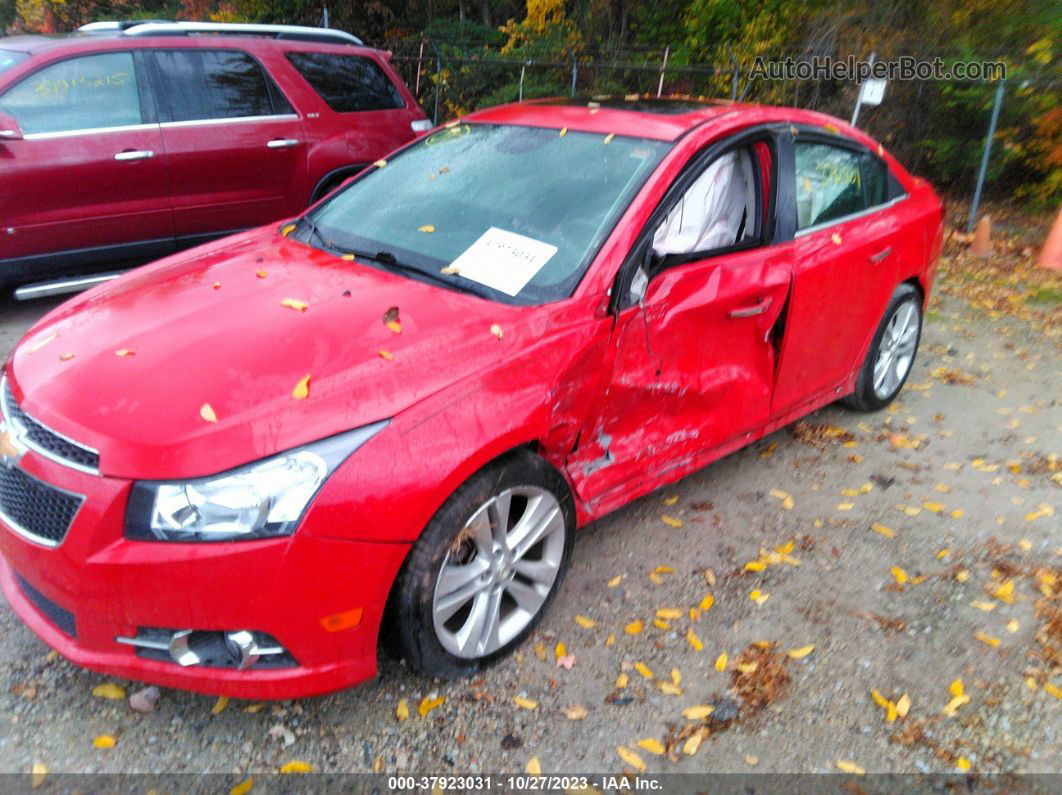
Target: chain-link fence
x,y
937,127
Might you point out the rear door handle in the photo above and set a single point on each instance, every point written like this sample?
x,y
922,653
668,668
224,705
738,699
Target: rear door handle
x,y
283,143
752,311
134,154
876,258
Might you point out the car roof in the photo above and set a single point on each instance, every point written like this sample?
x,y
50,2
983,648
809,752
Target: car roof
x,y
662,119
114,39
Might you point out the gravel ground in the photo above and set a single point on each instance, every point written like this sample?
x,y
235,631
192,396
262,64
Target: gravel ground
x,y
958,472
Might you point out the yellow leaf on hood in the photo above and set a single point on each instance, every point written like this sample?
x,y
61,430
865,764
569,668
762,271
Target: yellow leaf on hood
x,y
302,389
402,710
380,163
261,274
652,745
801,653
836,238
534,767
496,330
104,741
585,623
634,628
644,670
385,355
428,704
693,640
124,352
36,346
987,639
720,662
849,767
563,131
65,357
109,690
609,137
219,705
631,758
296,304
671,521
296,766
525,703
37,774
206,411
698,712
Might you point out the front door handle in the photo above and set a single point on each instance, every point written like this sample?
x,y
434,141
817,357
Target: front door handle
x,y
752,311
876,258
134,154
283,143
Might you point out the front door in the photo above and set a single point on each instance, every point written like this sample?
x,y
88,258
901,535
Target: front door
x,y
90,171
236,147
694,360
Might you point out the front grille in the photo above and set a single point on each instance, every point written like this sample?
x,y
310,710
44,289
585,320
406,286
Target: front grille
x,y
35,509
46,440
62,618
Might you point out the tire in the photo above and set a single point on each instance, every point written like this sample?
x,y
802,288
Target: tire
x,y
450,565
875,390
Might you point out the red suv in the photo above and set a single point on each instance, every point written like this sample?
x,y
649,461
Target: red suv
x,y
129,141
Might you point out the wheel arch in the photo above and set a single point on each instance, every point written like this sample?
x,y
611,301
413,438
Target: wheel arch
x,y
332,179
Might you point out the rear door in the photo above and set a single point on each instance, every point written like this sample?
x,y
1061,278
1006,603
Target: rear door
x,y
235,145
89,176
847,247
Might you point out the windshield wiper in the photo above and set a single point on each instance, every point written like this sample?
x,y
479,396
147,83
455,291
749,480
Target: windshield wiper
x,y
392,263
315,231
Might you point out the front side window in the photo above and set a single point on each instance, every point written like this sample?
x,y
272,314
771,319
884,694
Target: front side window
x,y
347,82
89,92
511,213
829,183
198,85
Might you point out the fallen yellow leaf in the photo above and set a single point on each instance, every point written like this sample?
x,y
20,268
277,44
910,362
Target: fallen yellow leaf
x,y
758,596
296,766
109,690
634,627
849,767
652,745
698,712
670,521
243,787
631,758
219,705
669,501
670,689
104,741
692,744
1053,690
953,706
37,774
534,767
668,613
615,581
402,710
560,650
983,605
956,688
801,653
706,603
987,639
1013,626
1005,592
428,704
621,681
644,670
585,623
899,574
693,640
962,764
525,703
720,662
903,706
884,530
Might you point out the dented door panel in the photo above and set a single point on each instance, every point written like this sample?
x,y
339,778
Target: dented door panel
x,y
693,368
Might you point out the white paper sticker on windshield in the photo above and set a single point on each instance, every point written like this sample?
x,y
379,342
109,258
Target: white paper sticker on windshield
x,y
503,260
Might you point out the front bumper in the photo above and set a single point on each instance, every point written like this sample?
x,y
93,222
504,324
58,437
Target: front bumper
x,y
108,587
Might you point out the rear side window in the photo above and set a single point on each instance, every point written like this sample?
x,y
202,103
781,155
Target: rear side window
x,y
347,82
215,84
829,183
9,58
89,92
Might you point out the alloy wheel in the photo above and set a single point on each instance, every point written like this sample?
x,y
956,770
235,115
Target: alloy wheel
x,y
896,351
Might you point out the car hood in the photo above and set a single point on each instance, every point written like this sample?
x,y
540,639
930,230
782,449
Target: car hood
x,y
127,367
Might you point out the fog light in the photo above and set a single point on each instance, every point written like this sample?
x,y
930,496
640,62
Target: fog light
x,y
240,649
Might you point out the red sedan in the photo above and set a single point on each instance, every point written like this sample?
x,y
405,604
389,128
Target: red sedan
x,y
226,470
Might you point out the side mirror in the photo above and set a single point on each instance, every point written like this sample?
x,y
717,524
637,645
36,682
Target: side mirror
x,y
9,128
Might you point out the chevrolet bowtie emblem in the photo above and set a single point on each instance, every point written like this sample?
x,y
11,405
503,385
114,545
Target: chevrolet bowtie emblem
x,y
11,451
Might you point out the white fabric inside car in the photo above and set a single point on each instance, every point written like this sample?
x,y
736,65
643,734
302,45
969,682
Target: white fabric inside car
x,y
710,215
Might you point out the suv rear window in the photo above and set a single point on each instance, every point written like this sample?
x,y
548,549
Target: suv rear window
x,y
215,84
347,83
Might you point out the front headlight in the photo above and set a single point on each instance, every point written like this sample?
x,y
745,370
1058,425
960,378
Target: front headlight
x,y
261,500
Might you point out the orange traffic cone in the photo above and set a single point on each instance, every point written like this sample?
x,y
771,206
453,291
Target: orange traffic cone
x,y
982,239
1051,253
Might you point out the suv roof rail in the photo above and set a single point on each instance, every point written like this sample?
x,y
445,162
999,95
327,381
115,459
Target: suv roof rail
x,y
163,28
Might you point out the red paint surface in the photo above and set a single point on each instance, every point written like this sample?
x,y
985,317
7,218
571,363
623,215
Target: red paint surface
x,y
621,404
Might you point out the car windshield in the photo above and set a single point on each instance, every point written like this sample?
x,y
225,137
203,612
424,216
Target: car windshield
x,y
9,58
508,212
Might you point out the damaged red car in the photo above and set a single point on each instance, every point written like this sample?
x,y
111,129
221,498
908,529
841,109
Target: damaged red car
x,y
229,470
